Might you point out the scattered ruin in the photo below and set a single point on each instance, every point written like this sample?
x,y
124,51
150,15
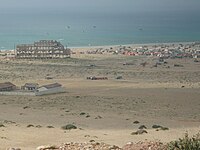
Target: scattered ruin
x,y
43,49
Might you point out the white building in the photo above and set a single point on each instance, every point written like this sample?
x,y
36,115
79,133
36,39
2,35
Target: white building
x,y
50,89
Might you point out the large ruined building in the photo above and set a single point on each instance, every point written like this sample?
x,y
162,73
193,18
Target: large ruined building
x,y
42,50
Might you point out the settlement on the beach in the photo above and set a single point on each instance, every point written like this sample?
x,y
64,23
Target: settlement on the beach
x,y
98,95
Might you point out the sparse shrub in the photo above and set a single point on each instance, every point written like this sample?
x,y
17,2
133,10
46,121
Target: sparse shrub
x,y
185,143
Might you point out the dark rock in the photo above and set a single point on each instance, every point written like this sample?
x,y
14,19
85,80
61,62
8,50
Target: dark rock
x,y
87,116
48,78
136,122
69,127
38,126
82,113
92,141
98,117
25,107
14,149
156,126
50,127
9,122
162,128
119,77
1,125
138,132
30,125
142,127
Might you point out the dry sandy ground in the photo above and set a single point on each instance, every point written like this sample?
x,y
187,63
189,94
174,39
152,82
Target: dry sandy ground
x,y
167,96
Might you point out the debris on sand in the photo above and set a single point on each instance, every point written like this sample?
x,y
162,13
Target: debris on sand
x,y
82,146
102,146
144,146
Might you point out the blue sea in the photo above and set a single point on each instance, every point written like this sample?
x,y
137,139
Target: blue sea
x,y
74,29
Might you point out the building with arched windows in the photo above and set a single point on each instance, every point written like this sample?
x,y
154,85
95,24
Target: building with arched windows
x,y
42,49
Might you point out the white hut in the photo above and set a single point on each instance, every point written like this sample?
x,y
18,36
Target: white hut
x,y
50,89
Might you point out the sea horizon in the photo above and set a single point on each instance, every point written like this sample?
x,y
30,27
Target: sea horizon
x,y
85,30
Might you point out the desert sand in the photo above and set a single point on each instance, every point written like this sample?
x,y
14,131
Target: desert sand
x,y
103,111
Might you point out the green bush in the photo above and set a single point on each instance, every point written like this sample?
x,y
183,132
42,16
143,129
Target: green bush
x,y
185,143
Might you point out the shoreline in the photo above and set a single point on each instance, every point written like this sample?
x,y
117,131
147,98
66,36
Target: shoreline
x,y
118,45
134,44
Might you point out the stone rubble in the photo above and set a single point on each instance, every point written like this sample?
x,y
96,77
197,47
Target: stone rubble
x,y
144,146
103,146
81,146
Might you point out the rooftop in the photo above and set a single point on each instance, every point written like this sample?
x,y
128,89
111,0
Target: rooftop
x,y
31,85
54,85
6,85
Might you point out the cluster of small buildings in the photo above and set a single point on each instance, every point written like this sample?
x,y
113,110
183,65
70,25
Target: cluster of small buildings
x,y
190,50
8,88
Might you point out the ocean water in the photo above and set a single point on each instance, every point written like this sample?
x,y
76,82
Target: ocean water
x,y
74,29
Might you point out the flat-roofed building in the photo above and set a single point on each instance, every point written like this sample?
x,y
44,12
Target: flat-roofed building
x,y
50,89
7,86
30,86
42,49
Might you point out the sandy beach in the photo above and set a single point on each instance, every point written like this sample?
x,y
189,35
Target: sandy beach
x,y
102,110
